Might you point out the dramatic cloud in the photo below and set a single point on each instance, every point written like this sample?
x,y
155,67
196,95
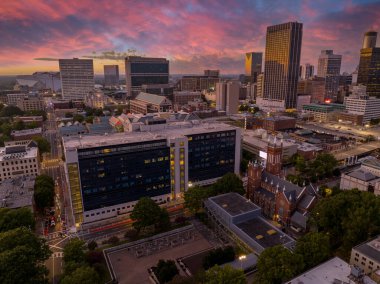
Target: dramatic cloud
x,y
193,34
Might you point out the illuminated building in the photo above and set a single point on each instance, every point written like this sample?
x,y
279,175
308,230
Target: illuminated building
x,y
282,61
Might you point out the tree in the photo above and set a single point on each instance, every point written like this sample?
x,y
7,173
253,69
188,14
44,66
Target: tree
x,y
349,218
89,119
314,248
228,183
10,111
165,270
22,256
19,125
14,218
83,275
74,251
194,197
218,256
44,191
224,275
42,143
277,265
164,220
92,245
68,114
78,117
145,213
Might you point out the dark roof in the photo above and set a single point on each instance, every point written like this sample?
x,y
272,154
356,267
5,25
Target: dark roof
x,y
290,190
15,149
370,250
299,219
257,227
362,175
306,201
265,192
234,204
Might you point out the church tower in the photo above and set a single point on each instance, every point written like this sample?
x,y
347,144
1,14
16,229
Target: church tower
x,y
254,178
274,154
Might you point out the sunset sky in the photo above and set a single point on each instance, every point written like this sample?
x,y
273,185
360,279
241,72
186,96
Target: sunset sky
x,y
193,35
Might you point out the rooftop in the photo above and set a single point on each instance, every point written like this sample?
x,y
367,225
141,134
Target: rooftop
x,y
234,203
17,152
33,131
177,129
151,98
362,175
334,270
371,249
17,193
372,163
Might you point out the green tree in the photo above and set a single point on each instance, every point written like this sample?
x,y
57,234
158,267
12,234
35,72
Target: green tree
x,y
224,275
218,256
98,112
164,220
14,218
314,248
19,125
194,197
42,143
78,117
22,256
277,265
228,183
44,191
74,251
145,213
165,270
89,119
10,111
68,115
92,245
82,275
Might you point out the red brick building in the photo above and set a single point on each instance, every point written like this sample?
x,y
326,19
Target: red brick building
x,y
279,199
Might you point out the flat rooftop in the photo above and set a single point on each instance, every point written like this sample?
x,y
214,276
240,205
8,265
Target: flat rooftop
x,y
263,233
234,203
334,270
172,130
17,152
17,193
371,249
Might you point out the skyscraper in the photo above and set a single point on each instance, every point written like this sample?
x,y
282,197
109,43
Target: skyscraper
x,y
369,65
111,75
307,71
253,62
77,78
329,63
282,61
145,71
227,96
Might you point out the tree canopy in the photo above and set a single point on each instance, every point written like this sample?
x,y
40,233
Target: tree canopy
x,y
82,275
314,248
147,213
277,265
10,111
42,143
228,183
13,218
349,217
218,256
224,275
44,191
22,256
74,251
194,197
165,270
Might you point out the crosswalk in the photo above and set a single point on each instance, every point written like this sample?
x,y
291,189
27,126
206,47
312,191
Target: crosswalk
x,y
58,254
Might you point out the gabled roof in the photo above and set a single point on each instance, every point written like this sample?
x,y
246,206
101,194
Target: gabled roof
x,y
291,191
151,98
299,219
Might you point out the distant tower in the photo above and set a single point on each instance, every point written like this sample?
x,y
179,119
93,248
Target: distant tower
x,y
369,40
274,158
254,178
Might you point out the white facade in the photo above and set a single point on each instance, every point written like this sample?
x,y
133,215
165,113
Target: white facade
x,y
269,105
77,78
369,107
360,179
227,96
16,161
367,256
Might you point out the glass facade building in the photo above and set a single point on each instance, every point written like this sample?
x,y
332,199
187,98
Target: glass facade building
x,y
145,71
122,173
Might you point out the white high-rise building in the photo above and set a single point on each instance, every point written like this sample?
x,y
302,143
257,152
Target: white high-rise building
x,y
227,96
77,78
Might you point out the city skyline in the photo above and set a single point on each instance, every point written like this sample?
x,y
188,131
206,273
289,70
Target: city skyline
x,y
192,35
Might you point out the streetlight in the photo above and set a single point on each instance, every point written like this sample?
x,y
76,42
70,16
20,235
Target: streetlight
x,y
241,258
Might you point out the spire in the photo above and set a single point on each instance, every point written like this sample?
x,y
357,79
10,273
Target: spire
x,y
290,197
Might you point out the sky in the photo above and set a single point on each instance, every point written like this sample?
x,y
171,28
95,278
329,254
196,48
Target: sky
x,y
194,35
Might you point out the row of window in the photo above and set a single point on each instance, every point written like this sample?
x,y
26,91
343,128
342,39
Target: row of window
x,y
17,168
17,162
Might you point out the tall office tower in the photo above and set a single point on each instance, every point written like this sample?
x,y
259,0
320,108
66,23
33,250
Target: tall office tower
x,y
369,65
77,78
282,62
329,63
111,75
227,96
253,63
145,71
211,73
260,85
307,71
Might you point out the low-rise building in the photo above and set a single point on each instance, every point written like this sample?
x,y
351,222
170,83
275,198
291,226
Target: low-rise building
x,y
183,97
96,99
323,112
30,103
26,134
19,160
360,179
17,192
372,166
275,123
158,89
368,107
37,120
147,103
367,256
